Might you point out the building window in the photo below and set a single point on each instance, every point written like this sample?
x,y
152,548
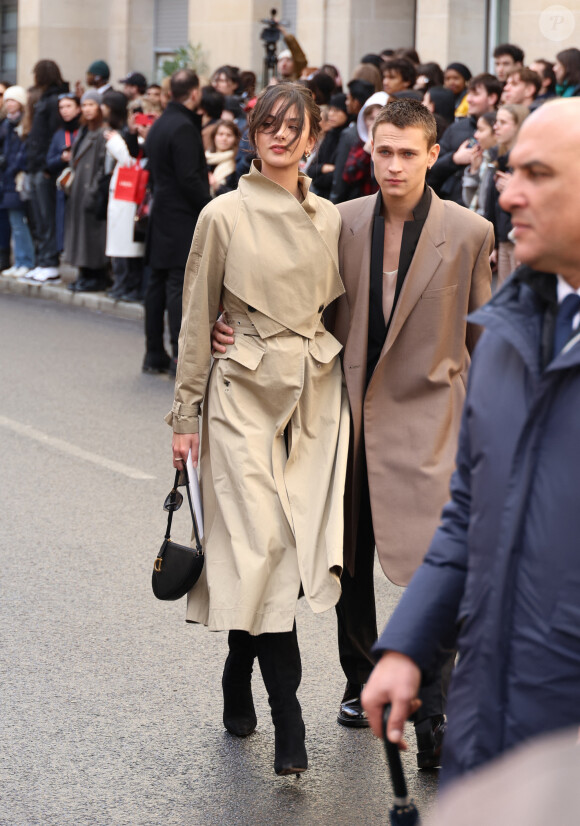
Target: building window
x,y
171,29
8,40
498,27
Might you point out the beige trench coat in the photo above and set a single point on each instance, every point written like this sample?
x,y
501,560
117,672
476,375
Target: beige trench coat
x,y
411,411
275,416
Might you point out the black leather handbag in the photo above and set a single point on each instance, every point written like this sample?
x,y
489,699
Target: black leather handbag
x,y
177,567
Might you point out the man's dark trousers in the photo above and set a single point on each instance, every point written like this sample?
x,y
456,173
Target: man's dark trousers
x,y
164,291
357,621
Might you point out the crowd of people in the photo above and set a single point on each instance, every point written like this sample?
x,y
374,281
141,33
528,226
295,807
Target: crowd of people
x,y
60,148
429,181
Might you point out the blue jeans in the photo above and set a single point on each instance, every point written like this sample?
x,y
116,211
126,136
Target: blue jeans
x,y
43,200
21,239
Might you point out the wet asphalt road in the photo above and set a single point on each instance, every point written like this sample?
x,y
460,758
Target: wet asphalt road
x,y
111,704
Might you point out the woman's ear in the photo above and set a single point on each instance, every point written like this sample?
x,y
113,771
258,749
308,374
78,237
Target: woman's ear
x,y
310,144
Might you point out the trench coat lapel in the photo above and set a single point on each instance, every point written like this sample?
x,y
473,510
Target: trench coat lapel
x,y
421,270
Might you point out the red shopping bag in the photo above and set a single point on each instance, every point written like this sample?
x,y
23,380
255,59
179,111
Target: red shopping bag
x,y
131,183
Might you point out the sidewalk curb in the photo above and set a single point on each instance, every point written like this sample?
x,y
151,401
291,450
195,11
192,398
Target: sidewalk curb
x,y
97,302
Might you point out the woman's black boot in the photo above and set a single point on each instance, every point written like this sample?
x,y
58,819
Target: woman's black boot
x,y
239,712
279,658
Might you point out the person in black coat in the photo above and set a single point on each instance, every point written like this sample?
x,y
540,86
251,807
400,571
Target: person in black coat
x,y
59,154
321,170
179,180
446,175
45,121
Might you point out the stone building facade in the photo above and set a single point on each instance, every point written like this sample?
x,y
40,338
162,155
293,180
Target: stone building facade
x,y
136,35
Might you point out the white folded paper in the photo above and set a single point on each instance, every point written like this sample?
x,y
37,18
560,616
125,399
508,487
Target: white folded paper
x,y
195,491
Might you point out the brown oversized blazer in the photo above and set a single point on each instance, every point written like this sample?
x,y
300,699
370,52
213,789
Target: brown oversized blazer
x,y
411,410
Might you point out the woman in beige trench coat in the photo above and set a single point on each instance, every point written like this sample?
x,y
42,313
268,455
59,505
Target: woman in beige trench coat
x,y
275,419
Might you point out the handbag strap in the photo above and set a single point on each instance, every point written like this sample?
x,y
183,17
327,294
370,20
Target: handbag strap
x,y
191,510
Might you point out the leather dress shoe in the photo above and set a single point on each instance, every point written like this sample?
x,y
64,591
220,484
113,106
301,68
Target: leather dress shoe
x,y
156,364
429,733
351,713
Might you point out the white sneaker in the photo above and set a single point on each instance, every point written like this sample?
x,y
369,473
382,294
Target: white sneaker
x,y
43,274
20,272
10,271
30,275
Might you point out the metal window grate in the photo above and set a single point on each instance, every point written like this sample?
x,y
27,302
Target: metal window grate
x,y
171,25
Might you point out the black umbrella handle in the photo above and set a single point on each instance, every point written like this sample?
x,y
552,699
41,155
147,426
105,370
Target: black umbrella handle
x,y
394,761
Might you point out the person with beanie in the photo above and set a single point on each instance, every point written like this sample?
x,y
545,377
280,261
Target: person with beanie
x,y
98,75
322,168
12,150
359,91
456,78
85,224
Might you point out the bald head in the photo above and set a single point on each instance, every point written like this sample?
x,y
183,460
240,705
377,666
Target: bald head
x,y
562,114
543,194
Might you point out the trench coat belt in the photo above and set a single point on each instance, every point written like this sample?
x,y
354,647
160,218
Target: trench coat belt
x,y
241,324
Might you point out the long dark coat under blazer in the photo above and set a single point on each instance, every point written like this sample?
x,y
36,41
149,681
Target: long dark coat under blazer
x,y
180,185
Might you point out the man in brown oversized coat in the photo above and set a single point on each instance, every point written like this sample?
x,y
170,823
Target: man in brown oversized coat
x,y
413,268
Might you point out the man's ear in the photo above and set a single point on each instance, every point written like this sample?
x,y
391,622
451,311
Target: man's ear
x,y
433,154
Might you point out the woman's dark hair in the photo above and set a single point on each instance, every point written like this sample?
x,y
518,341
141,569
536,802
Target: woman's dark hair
x,y
46,74
570,60
322,86
247,84
443,101
434,74
229,124
547,73
292,96
330,69
117,103
375,59
489,118
231,72
370,74
212,102
409,54
93,124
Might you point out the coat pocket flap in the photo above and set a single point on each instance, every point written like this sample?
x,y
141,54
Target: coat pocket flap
x,y
324,347
440,292
566,618
246,350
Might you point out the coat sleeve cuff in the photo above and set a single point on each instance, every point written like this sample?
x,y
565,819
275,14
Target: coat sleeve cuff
x,y
183,418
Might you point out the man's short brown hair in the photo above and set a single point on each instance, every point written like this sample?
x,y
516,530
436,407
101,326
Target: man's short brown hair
x,y
403,112
490,83
527,75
